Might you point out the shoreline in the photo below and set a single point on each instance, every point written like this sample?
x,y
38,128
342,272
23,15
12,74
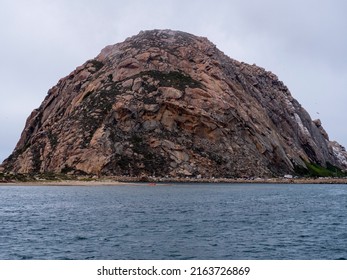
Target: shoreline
x,y
125,181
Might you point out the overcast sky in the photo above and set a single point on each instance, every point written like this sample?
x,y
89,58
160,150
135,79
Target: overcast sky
x,y
303,42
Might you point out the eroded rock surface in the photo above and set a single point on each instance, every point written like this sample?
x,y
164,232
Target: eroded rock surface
x,y
168,103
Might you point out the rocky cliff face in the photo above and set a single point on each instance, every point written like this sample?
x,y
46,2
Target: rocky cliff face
x,y
166,103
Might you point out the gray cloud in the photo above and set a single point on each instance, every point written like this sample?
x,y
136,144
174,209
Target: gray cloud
x,y
300,41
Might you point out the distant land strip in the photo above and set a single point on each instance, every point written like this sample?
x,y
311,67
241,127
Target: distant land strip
x,y
66,180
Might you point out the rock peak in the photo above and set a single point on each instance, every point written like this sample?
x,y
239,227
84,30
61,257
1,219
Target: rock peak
x,y
167,35
168,103
165,39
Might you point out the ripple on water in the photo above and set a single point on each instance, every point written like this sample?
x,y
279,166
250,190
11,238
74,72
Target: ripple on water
x,y
194,221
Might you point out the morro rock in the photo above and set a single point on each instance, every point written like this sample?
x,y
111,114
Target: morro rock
x,y
168,103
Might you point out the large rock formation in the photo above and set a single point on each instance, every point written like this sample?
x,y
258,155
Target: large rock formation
x,y
167,103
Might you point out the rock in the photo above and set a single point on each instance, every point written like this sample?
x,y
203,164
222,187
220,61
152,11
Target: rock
x,y
127,83
170,93
318,123
137,84
150,125
339,152
168,103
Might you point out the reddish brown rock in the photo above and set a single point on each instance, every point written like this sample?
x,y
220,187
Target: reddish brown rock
x,y
168,103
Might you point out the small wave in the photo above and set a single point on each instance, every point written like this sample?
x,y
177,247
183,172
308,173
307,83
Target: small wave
x,y
24,257
174,255
80,238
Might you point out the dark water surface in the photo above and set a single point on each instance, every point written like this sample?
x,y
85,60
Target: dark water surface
x,y
180,221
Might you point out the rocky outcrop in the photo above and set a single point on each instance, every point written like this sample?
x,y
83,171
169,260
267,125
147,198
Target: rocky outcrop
x,y
167,103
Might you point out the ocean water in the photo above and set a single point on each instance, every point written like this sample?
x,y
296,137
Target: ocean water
x,y
177,221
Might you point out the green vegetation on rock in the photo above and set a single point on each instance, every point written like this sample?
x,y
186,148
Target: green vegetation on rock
x,y
176,79
96,64
316,170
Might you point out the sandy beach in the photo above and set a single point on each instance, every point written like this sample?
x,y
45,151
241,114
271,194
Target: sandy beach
x,y
121,181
